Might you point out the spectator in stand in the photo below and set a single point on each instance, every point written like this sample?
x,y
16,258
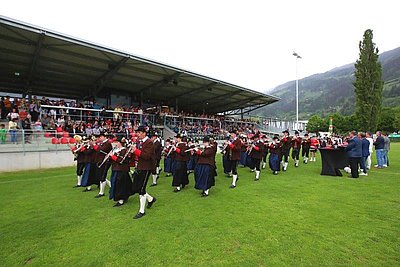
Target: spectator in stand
x,y
26,125
13,114
88,130
37,126
51,125
3,133
45,120
7,106
34,110
380,150
386,150
12,130
3,112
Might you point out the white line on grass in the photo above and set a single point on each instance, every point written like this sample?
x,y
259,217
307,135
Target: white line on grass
x,y
34,179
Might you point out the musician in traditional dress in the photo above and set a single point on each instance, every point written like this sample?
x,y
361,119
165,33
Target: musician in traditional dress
x,y
255,152
305,148
265,151
234,146
121,182
146,164
158,150
168,157
296,145
191,163
286,145
89,174
79,157
205,170
102,148
275,155
180,175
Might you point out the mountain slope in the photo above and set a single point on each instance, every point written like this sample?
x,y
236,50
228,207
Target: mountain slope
x,y
332,91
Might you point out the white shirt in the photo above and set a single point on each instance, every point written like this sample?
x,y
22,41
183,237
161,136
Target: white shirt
x,y
371,144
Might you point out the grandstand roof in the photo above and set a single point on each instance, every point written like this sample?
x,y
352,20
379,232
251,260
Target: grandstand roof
x,y
44,62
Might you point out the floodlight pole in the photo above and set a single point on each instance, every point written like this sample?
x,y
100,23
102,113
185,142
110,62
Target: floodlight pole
x,y
297,92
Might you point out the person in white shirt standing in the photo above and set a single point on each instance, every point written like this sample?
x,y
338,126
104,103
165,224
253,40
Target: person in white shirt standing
x,y
371,145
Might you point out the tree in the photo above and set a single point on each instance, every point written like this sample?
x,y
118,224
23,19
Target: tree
x,y
316,124
368,84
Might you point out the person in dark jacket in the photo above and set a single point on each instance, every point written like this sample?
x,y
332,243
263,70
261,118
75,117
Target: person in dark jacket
x,y
379,144
365,153
354,152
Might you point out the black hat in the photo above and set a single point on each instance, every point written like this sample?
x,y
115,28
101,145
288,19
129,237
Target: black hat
x,y
142,128
285,131
306,134
120,138
257,135
296,132
275,138
178,135
206,139
233,131
103,133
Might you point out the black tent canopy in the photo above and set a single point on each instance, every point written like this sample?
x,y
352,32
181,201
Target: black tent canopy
x,y
43,62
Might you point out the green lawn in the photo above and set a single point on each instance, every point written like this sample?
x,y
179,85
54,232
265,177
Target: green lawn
x,y
294,218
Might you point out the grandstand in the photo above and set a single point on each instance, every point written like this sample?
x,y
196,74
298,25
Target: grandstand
x,y
66,83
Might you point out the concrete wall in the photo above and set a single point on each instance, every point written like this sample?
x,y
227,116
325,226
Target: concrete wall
x,y
35,160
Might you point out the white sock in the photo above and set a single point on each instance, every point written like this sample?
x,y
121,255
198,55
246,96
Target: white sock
x,y
121,201
102,187
257,175
142,200
89,187
263,165
297,162
305,159
79,179
234,178
285,165
108,183
157,170
178,188
206,191
154,178
149,198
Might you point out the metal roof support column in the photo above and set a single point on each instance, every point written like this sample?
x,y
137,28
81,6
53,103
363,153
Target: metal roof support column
x,y
176,105
241,113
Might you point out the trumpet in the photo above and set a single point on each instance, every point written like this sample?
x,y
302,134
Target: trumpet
x,y
194,148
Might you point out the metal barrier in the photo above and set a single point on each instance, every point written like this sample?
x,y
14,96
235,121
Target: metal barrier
x,y
33,141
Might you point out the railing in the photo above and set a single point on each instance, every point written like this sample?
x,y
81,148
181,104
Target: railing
x,y
33,141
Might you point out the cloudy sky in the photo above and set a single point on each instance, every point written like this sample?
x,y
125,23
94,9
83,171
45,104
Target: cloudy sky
x,y
248,43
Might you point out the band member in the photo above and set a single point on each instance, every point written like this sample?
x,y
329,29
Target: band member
x,y
274,155
225,159
255,152
265,152
205,171
296,145
314,144
102,148
305,148
286,144
168,157
89,174
158,150
121,182
191,164
234,146
243,152
180,175
146,164
79,157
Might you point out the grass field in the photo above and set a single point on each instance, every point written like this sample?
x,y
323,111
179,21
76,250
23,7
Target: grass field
x,y
294,218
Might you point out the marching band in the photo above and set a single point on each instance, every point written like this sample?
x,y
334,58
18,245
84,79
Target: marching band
x,y
96,155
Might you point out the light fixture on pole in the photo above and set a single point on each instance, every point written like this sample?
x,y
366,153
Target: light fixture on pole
x,y
297,92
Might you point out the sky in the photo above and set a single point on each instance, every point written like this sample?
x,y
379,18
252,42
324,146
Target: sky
x,y
247,43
